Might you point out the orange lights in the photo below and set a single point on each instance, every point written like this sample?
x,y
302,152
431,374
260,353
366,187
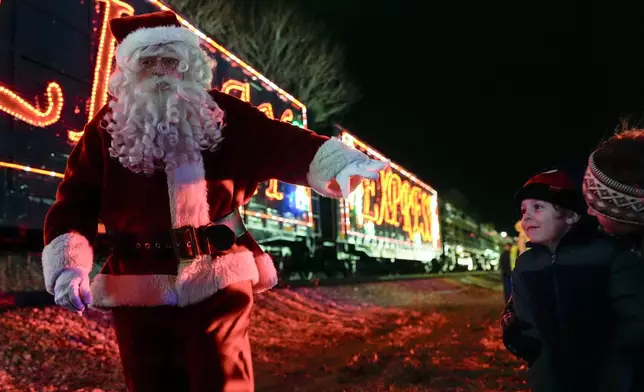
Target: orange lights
x,y
352,140
29,169
74,136
272,191
214,45
104,57
288,116
397,202
267,109
105,54
242,91
234,85
17,107
393,201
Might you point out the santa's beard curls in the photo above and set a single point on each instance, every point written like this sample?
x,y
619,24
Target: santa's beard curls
x,y
162,122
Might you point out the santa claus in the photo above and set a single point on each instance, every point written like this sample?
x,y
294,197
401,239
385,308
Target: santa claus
x,y
165,166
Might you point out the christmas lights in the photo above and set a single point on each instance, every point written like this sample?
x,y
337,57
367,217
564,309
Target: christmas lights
x,y
29,169
272,191
105,54
395,202
104,57
287,116
234,85
397,199
19,108
267,109
350,140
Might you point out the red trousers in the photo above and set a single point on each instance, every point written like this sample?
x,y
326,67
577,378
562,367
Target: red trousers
x,y
199,348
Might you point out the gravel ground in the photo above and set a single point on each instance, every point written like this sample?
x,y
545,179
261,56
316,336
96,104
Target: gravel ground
x,y
423,335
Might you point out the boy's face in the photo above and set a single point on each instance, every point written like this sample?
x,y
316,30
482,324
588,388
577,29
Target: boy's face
x,y
543,223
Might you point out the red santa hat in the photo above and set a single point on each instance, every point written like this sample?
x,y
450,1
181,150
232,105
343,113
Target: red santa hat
x,y
138,31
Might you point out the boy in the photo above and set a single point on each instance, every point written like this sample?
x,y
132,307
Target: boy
x,y
565,288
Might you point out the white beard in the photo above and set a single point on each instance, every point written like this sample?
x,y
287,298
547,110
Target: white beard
x,y
160,123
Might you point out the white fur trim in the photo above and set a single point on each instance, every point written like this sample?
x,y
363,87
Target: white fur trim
x,y
329,160
154,36
70,250
201,278
266,272
188,195
197,281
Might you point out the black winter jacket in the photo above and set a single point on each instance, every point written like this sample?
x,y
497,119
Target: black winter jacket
x,y
577,315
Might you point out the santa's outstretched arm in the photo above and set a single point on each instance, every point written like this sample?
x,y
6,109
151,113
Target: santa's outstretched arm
x,y
72,221
281,151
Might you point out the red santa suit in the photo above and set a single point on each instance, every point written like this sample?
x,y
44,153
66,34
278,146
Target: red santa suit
x,y
193,309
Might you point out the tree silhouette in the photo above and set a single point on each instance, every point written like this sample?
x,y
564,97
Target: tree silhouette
x,y
283,43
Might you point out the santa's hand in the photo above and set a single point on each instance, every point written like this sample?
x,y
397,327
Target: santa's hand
x,y
71,290
364,169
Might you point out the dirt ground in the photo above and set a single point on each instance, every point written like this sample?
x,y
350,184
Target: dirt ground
x,y
423,335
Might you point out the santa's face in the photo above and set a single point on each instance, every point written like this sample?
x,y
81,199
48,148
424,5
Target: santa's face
x,y
162,116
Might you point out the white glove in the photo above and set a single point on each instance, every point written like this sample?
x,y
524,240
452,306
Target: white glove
x,y
366,169
71,290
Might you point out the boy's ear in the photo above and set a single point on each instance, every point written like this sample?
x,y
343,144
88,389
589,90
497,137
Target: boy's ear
x,y
572,218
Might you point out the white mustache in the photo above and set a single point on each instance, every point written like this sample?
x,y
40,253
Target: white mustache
x,y
158,83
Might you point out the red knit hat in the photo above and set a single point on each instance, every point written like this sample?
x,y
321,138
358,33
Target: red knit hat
x,y
556,187
138,31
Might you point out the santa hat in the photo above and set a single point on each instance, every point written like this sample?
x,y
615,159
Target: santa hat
x,y
555,186
138,31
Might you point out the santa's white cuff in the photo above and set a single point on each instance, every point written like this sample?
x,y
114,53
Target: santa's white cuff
x,y
266,272
328,162
71,250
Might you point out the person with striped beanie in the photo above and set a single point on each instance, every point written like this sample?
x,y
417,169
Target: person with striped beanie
x,y
613,188
614,184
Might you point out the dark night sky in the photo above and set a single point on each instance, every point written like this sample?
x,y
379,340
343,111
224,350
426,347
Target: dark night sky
x,y
480,96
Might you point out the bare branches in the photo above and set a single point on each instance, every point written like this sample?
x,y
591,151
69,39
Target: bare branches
x,y
279,40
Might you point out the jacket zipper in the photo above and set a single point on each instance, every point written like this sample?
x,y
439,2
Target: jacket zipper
x,y
556,285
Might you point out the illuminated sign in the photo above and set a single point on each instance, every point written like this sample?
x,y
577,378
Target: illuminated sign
x,y
394,216
232,75
280,208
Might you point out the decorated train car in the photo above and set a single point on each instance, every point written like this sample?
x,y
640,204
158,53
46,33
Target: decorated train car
x,y
390,224
468,245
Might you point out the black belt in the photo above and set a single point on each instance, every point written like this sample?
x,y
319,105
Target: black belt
x,y
187,242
